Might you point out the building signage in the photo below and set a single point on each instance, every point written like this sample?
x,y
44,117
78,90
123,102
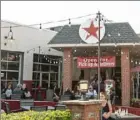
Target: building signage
x,y
92,62
89,31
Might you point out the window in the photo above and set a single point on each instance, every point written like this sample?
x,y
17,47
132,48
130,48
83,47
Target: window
x,y
10,66
13,65
36,76
54,68
45,69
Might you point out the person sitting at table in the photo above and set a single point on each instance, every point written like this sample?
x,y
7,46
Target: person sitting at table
x,y
106,106
27,94
8,92
56,94
112,95
90,93
17,90
70,93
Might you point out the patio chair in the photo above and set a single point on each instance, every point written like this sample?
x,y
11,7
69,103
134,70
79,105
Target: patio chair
x,y
49,95
26,102
65,97
16,96
7,107
60,107
39,108
3,96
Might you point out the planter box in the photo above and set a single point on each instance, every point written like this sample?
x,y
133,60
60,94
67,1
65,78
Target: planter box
x,y
135,104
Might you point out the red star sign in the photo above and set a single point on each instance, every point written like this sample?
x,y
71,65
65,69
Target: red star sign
x,y
91,30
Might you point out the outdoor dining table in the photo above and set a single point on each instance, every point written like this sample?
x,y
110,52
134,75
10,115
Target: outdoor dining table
x,y
125,117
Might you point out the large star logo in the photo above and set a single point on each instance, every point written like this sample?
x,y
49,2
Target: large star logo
x,y
92,30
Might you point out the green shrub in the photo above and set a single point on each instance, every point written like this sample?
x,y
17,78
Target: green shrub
x,y
33,115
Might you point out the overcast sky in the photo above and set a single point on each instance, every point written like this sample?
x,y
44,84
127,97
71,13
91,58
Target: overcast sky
x,y
32,12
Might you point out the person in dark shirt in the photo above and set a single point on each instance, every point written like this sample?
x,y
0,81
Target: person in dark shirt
x,y
56,95
106,106
69,93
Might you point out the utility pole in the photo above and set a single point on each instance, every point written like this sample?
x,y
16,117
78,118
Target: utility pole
x,y
99,52
0,79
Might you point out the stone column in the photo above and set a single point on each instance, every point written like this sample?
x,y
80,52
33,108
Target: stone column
x,y
125,72
67,69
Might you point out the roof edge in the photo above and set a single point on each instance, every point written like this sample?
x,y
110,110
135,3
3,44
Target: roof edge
x,y
93,45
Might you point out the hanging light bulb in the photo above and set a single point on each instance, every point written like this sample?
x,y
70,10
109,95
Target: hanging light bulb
x,y
69,22
136,62
131,61
134,44
10,34
44,56
10,29
75,50
40,27
12,37
119,34
109,35
50,61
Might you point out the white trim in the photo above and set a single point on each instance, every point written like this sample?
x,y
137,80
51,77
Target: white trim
x,y
9,70
93,45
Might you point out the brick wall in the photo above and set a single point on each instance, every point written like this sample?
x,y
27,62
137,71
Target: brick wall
x,y
67,68
125,69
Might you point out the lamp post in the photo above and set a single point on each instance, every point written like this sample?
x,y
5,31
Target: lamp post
x,y
0,79
99,52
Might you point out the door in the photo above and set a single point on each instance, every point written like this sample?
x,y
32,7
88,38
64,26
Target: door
x,y
45,80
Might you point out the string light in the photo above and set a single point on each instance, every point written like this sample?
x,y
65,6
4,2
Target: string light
x,y
115,44
51,22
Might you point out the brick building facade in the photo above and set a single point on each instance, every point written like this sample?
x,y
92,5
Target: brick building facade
x,y
127,42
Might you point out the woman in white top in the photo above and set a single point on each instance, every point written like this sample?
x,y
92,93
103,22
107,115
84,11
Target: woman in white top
x,y
8,92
